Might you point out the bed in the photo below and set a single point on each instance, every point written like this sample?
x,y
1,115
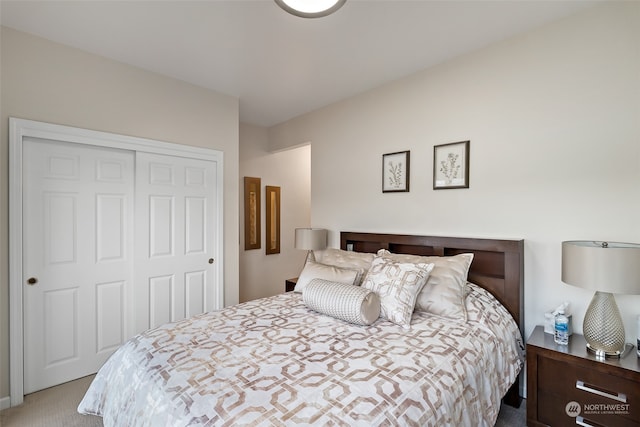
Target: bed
x,y
276,361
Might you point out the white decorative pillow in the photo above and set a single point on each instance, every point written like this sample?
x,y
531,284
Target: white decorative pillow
x,y
345,302
360,261
445,290
314,270
398,285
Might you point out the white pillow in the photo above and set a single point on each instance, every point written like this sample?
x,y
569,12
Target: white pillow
x,y
314,270
398,285
345,302
444,293
360,261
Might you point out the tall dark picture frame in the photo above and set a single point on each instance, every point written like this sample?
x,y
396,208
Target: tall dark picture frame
x,y
252,213
272,244
451,165
396,172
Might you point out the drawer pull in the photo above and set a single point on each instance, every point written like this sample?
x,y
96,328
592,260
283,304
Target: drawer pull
x,y
620,397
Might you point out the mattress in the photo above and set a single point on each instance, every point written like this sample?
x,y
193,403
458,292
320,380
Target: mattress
x,y
275,362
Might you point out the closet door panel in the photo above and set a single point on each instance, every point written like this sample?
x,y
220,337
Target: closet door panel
x,y
77,258
176,199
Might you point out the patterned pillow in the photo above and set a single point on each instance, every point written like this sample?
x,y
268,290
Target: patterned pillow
x,y
444,293
315,270
345,302
360,261
398,285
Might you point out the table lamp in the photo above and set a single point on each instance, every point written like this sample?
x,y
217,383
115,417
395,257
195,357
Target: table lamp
x,y
607,268
311,239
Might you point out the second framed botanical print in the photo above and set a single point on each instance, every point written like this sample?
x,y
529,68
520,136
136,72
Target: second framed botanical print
x,y
451,165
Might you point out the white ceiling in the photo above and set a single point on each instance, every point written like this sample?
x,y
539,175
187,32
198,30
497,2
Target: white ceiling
x,y
280,66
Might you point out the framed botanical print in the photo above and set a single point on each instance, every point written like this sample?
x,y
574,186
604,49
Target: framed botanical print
x,y
395,172
451,165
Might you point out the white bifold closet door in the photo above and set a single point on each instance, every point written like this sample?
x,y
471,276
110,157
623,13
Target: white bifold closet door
x,y
78,256
174,269
114,242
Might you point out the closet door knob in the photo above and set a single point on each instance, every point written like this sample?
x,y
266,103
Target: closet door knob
x,y
32,281
211,260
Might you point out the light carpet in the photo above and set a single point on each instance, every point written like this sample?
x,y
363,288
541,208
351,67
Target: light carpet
x,y
52,407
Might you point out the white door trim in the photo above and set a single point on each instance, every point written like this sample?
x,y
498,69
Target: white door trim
x,y
18,130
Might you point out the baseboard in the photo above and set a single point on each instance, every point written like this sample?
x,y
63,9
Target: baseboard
x,y
5,403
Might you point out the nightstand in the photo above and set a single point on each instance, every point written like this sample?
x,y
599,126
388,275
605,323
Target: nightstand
x,y
290,284
568,386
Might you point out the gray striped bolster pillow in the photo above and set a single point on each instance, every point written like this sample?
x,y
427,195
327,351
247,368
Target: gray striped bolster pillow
x,y
345,302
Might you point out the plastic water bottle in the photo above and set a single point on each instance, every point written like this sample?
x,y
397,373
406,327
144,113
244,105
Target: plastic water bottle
x,y
561,335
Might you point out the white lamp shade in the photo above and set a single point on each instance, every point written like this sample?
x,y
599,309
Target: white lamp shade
x,y
602,266
311,238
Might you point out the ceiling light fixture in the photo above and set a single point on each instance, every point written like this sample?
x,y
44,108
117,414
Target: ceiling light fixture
x,y
310,8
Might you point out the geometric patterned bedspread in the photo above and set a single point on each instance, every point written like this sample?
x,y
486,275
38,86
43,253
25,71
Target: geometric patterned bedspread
x,y
274,362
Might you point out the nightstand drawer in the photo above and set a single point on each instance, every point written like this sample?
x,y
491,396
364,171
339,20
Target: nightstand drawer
x,y
560,377
608,399
553,412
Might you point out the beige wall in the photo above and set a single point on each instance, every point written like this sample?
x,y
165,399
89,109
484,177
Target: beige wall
x,y
554,122
264,275
52,83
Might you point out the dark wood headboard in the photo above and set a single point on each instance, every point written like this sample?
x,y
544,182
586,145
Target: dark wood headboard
x,y
498,265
